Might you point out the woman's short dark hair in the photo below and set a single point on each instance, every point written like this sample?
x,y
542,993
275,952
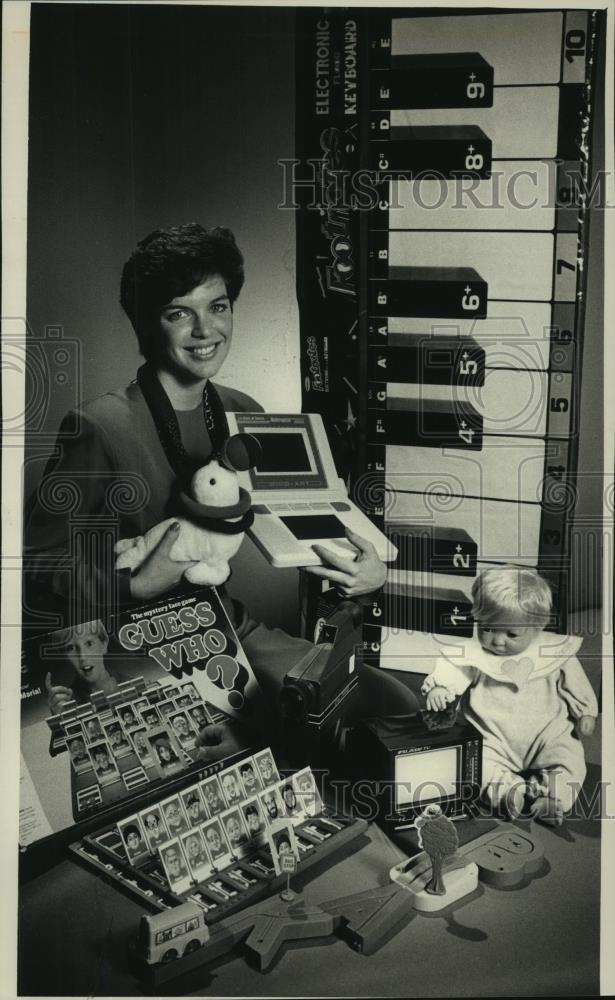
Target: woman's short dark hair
x,y
171,262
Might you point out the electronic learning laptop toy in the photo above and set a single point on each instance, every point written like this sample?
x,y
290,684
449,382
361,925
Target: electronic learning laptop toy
x,y
298,498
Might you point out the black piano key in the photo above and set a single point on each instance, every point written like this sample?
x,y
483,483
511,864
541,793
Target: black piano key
x,y
442,80
448,151
447,292
422,609
426,423
424,360
433,550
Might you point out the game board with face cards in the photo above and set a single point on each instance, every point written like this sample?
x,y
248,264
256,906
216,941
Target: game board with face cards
x,y
112,712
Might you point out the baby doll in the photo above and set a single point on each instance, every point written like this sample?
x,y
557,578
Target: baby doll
x,y
524,685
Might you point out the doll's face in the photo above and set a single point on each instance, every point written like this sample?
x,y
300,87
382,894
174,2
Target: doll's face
x,y
505,638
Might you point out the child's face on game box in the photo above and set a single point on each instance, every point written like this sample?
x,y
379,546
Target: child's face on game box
x,y
505,638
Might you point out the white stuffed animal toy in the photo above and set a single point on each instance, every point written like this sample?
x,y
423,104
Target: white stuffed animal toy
x,y
216,501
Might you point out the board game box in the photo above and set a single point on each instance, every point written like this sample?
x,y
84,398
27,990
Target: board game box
x,y
111,711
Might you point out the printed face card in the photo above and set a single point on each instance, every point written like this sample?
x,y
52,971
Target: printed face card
x,y
133,839
174,816
272,804
212,795
254,819
199,716
166,751
266,767
196,855
93,729
292,807
250,777
217,844
193,806
150,717
189,690
166,708
142,746
306,792
236,831
175,865
281,840
104,765
118,740
154,826
78,754
232,787
128,716
182,728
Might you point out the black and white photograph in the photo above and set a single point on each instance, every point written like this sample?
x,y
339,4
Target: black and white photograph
x,y
236,832
272,803
266,767
105,768
175,865
308,497
78,753
134,839
154,826
196,855
250,777
167,752
212,795
217,844
194,807
174,815
142,746
118,739
232,786
281,840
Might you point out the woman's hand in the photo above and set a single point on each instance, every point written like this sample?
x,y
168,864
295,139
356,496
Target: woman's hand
x,y
438,698
159,573
352,575
216,742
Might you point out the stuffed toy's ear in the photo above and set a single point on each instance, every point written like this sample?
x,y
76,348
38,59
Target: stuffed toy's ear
x,y
241,452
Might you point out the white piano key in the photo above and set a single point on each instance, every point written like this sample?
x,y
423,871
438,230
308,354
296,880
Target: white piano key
x,y
522,124
516,196
503,531
514,334
510,402
523,48
414,652
516,266
431,581
505,469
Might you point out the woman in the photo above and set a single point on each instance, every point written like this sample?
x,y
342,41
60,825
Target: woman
x,y
126,454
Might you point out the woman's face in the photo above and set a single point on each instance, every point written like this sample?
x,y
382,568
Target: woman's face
x,y
195,332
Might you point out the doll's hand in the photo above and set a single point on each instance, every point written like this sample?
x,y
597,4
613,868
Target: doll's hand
x,y
438,699
216,742
352,575
57,695
159,573
585,725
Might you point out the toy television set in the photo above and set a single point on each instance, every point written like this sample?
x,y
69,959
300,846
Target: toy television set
x,y
297,495
413,765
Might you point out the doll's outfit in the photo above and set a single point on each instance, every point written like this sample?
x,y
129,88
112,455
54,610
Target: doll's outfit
x,y
522,706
